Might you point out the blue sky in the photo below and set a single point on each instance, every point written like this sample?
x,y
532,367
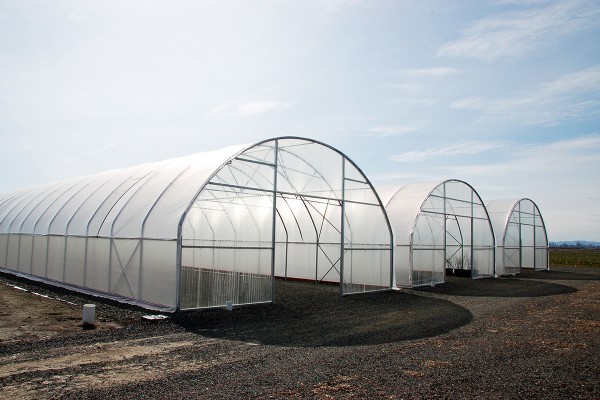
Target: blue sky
x,y
502,94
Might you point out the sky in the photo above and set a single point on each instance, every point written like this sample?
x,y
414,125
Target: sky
x,y
502,94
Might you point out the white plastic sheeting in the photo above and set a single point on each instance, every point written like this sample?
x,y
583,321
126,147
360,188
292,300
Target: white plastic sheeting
x,y
438,226
202,230
521,237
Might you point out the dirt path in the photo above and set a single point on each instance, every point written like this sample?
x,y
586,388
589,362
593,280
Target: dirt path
x,y
34,314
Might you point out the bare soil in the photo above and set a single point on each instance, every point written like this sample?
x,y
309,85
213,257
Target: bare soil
x,y
536,335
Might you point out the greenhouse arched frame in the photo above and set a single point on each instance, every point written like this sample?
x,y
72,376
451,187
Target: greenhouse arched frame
x,y
521,237
438,226
207,230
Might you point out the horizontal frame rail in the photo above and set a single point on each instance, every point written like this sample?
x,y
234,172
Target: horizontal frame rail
x,y
306,196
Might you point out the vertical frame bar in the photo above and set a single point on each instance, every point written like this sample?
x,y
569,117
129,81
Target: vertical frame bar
x,y
472,233
392,253
520,239
274,216
534,241
317,246
445,230
110,252
342,226
178,259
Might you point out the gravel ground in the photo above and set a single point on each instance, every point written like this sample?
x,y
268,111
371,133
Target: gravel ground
x,y
531,336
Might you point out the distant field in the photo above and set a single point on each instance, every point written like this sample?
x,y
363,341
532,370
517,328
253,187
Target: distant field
x,y
580,257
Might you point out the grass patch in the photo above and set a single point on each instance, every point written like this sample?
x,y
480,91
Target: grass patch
x,y
576,257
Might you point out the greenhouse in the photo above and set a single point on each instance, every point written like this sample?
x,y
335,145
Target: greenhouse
x,y
521,238
438,226
208,230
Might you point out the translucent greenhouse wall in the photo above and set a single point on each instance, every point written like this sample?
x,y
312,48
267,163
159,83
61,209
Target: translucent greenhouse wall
x,y
203,230
439,226
74,234
112,234
277,209
521,236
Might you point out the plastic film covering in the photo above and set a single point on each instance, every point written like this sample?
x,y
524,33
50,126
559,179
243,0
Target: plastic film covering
x,y
438,226
367,236
203,230
114,233
521,237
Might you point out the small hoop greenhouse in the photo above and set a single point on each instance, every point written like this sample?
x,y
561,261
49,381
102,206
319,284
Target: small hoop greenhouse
x,y
521,237
438,226
206,230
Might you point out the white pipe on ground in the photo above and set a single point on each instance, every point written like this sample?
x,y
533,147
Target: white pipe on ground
x,y
89,314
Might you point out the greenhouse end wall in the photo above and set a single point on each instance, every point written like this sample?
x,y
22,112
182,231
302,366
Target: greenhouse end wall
x,y
439,226
290,208
521,237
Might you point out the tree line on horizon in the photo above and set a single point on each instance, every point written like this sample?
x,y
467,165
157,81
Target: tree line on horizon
x,y
578,244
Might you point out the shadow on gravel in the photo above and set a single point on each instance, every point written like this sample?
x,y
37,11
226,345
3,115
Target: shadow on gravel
x,y
309,315
501,287
567,274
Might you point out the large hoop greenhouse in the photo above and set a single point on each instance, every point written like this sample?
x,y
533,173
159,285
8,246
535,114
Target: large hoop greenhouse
x,y
438,226
521,237
206,230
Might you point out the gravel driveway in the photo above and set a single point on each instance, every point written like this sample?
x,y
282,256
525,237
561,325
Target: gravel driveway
x,y
536,335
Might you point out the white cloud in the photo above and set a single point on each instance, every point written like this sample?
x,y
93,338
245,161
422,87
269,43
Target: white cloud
x,y
515,34
578,143
468,102
259,107
333,6
459,149
416,77
90,154
414,101
429,72
522,2
408,87
585,80
573,96
397,130
76,18
221,109
392,176
560,176
546,158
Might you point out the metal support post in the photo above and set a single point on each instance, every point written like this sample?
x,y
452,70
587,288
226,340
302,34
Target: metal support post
x,y
274,216
343,223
